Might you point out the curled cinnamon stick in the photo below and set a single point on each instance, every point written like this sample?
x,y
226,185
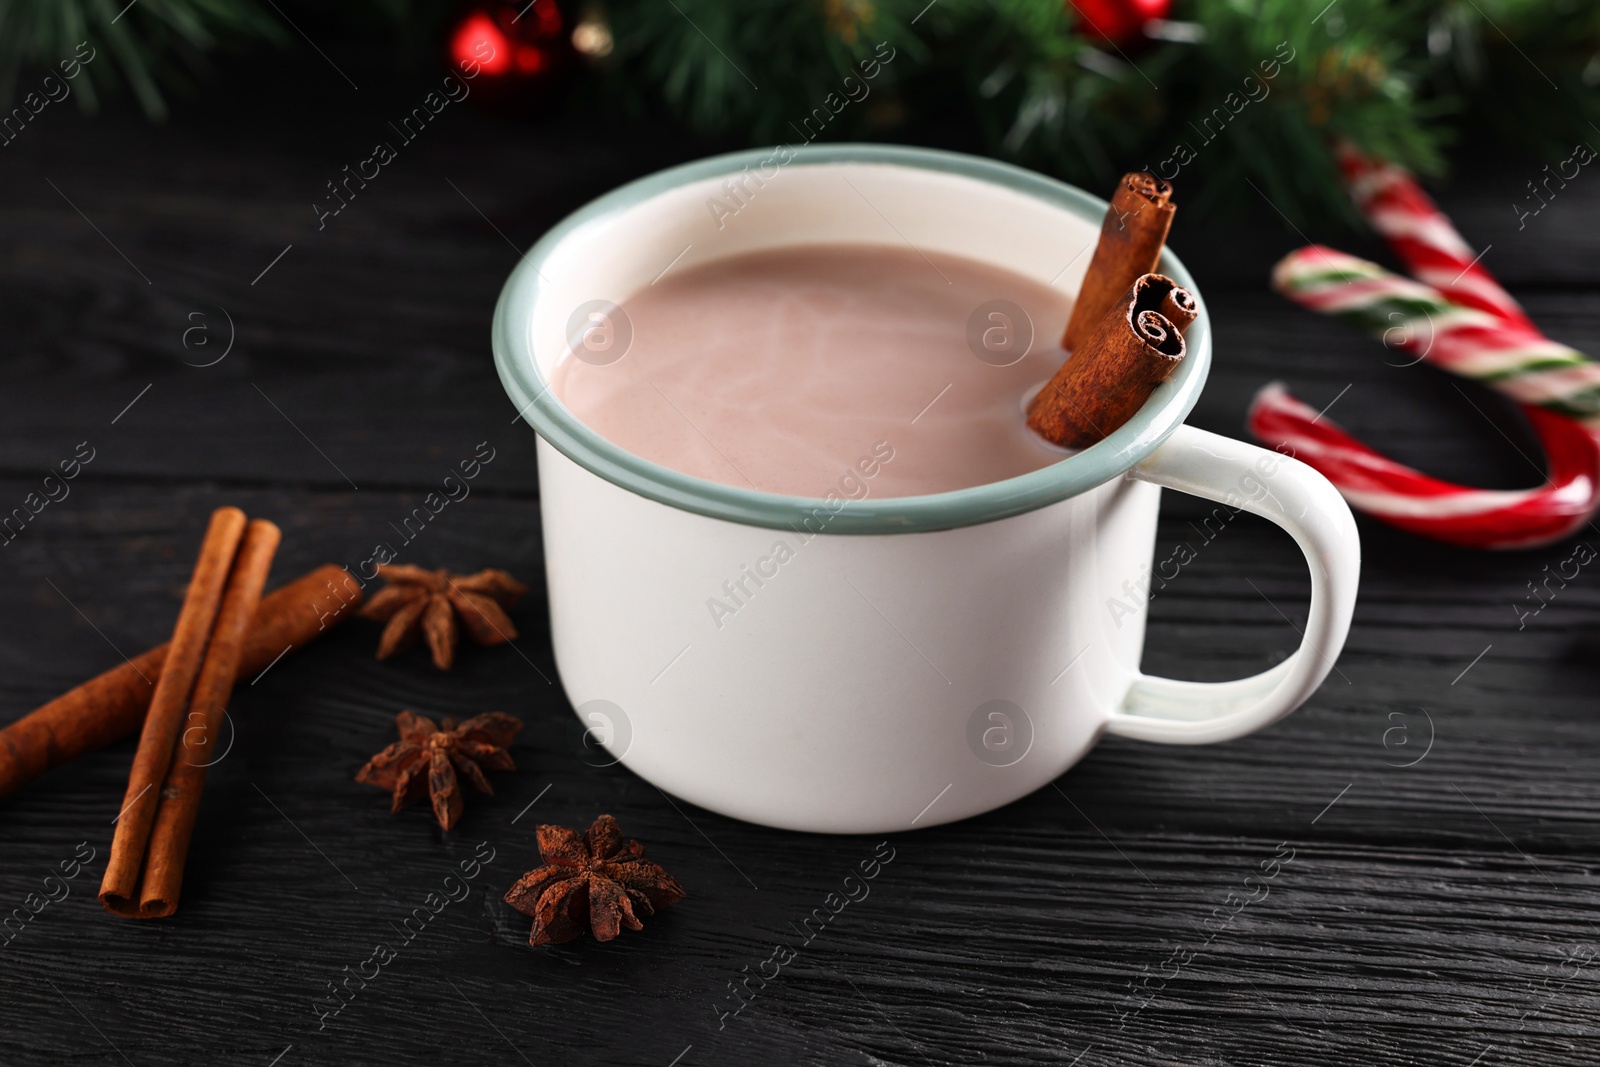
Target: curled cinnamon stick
x,y
112,705
1131,238
1179,306
200,604
1134,348
179,802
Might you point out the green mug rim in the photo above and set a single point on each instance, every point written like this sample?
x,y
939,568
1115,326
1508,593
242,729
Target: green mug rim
x,y
1162,414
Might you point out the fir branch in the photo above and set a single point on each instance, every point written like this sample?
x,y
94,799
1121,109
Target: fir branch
x,y
145,44
1274,86
1015,78
758,68
1040,93
1529,70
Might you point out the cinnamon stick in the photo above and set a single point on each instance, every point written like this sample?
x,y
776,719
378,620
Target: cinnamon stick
x,y
1131,238
179,802
161,724
1134,348
112,705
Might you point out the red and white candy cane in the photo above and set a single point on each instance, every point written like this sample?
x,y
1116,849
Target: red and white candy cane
x,y
1459,319
1422,236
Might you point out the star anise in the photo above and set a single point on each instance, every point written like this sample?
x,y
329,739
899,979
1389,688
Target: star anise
x,y
428,757
438,605
595,878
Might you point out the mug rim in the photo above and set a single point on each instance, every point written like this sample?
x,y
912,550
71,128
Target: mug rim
x,y
1130,443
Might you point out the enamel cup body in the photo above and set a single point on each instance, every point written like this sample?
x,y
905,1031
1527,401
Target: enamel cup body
x,y
877,664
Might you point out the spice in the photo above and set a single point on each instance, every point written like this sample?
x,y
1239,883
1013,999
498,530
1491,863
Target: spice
x,y
438,605
223,594
179,805
594,878
120,887
1136,347
428,758
1131,238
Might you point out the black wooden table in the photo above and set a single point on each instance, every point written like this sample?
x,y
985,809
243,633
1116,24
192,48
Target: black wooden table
x,y
1432,811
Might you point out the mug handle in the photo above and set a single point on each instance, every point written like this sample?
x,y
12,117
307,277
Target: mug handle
x,y
1306,504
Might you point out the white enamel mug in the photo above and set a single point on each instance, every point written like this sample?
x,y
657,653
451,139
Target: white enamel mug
x,y
899,662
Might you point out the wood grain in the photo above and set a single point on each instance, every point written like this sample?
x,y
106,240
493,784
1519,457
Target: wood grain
x,y
1439,913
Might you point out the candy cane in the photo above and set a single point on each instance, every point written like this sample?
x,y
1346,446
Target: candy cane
x,y
1460,319
1422,236
1510,355
1409,499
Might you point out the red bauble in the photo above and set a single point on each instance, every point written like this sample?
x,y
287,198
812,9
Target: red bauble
x,y
511,51
1117,21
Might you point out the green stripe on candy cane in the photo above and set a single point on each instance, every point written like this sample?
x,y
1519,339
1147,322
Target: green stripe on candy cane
x,y
1584,406
1537,363
1385,314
